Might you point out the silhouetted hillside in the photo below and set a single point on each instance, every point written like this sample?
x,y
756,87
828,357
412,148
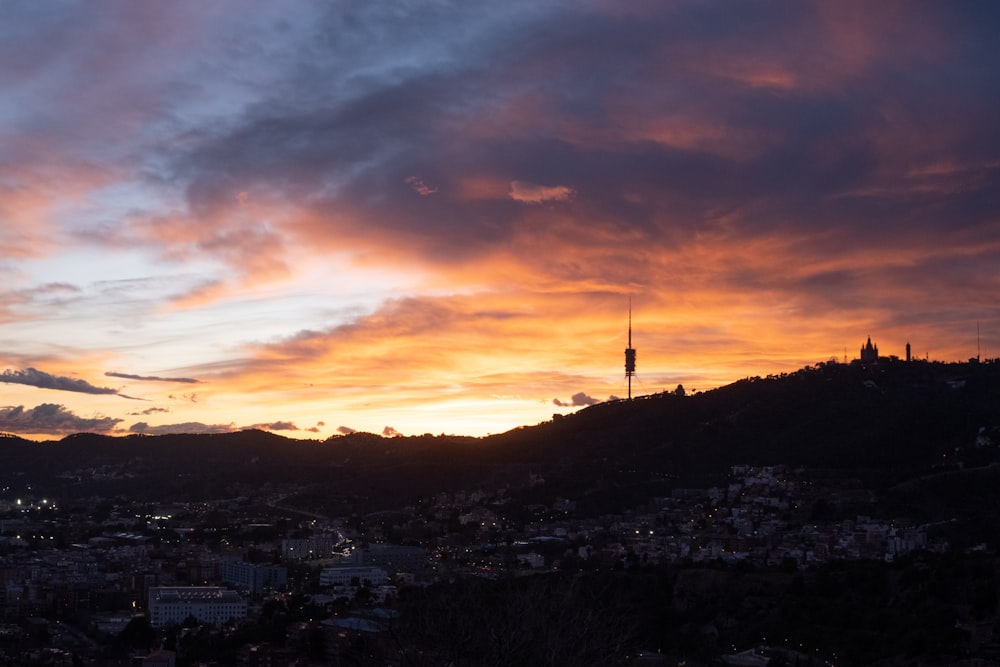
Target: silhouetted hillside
x,y
895,418
885,424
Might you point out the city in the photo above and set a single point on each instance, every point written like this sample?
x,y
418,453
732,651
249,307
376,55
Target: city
x,y
275,578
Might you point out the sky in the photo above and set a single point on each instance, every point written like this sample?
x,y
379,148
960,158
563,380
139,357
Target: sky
x,y
408,217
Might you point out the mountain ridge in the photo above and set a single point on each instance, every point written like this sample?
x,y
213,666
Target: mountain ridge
x,y
884,423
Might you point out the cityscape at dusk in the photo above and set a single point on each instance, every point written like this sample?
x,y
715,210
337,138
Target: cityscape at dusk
x,y
315,218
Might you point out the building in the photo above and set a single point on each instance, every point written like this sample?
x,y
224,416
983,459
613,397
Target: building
x,y
869,352
345,575
396,557
171,605
254,578
321,546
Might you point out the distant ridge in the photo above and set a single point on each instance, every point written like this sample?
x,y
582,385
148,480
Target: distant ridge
x,y
886,423
831,415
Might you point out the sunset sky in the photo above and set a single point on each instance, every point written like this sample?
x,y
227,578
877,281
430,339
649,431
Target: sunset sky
x,y
407,217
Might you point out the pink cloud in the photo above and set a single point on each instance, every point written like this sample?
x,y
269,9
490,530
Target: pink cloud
x,y
532,193
418,186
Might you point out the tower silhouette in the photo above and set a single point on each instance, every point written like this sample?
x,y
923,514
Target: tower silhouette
x,y
629,353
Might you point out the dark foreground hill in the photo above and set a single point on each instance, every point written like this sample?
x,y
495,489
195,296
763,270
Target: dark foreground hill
x,y
890,425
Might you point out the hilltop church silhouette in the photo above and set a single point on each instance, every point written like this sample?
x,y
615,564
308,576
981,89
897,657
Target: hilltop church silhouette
x,y
869,352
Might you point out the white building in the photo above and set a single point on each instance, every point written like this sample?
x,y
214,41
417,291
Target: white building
x,y
171,605
254,577
343,576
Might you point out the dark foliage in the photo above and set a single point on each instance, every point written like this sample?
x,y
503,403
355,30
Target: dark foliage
x,y
557,619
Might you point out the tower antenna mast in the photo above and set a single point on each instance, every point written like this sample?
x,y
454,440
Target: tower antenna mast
x,y
629,352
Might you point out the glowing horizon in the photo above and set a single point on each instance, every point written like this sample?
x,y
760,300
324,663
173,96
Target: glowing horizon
x,y
315,219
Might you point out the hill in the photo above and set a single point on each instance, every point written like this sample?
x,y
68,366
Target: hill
x,y
888,425
894,415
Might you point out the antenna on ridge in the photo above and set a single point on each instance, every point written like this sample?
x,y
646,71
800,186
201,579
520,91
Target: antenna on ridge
x,y
629,352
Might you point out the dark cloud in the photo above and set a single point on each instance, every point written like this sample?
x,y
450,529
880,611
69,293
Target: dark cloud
x,y
274,426
346,430
579,399
390,432
185,427
649,131
37,378
148,411
150,378
774,130
52,419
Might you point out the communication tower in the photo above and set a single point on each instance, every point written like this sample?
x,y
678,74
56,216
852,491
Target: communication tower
x,y
629,353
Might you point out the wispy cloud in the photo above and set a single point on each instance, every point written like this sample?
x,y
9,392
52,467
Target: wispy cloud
x,y
419,186
43,380
148,411
151,378
532,193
